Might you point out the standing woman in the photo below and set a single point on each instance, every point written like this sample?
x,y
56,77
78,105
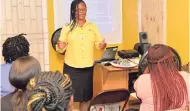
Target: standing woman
x,y
78,38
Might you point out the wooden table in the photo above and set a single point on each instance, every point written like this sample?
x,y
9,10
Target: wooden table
x,y
109,77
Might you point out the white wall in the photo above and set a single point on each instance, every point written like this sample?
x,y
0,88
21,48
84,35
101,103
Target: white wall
x,y
107,14
30,17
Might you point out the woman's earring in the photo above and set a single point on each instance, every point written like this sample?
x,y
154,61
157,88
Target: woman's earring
x,y
32,82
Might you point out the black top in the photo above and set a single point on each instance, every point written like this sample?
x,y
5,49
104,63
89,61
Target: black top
x,y
6,103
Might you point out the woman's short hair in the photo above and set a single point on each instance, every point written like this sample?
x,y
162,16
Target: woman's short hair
x,y
15,47
22,70
52,91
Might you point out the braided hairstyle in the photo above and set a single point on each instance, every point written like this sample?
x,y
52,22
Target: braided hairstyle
x,y
52,91
168,86
73,10
15,47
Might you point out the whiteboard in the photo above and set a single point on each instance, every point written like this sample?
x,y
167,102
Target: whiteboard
x,y
106,14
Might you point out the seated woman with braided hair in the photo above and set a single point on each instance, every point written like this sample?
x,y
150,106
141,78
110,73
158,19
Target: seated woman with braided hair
x,y
22,70
52,91
13,48
164,88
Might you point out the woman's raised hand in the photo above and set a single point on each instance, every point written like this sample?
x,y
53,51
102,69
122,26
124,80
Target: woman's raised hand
x,y
61,44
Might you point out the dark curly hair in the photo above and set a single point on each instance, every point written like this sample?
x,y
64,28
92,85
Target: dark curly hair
x,y
15,47
52,91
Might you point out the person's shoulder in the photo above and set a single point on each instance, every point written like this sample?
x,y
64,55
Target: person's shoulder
x,y
6,104
143,77
7,97
184,74
6,66
141,80
66,26
91,24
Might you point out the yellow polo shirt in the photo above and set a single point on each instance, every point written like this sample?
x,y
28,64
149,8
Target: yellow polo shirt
x,y
80,44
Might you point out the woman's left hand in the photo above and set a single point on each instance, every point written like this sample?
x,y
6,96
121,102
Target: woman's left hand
x,y
102,44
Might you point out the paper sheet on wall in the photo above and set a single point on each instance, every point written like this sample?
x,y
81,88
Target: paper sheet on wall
x,y
106,14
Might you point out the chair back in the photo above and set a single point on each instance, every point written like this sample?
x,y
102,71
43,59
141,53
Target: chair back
x,y
110,96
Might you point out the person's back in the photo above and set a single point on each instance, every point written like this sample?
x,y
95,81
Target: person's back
x,y
6,87
144,92
6,104
164,88
22,70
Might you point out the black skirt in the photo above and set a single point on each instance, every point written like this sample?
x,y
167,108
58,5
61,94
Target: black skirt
x,y
82,82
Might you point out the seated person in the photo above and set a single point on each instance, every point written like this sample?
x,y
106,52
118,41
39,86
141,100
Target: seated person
x,y
13,48
22,70
52,92
164,88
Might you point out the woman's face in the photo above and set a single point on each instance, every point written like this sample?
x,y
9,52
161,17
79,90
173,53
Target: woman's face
x,y
81,11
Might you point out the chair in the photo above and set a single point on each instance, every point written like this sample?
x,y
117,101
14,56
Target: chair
x,y
110,96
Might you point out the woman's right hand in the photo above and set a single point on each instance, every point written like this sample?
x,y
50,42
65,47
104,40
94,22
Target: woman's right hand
x,y
61,45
